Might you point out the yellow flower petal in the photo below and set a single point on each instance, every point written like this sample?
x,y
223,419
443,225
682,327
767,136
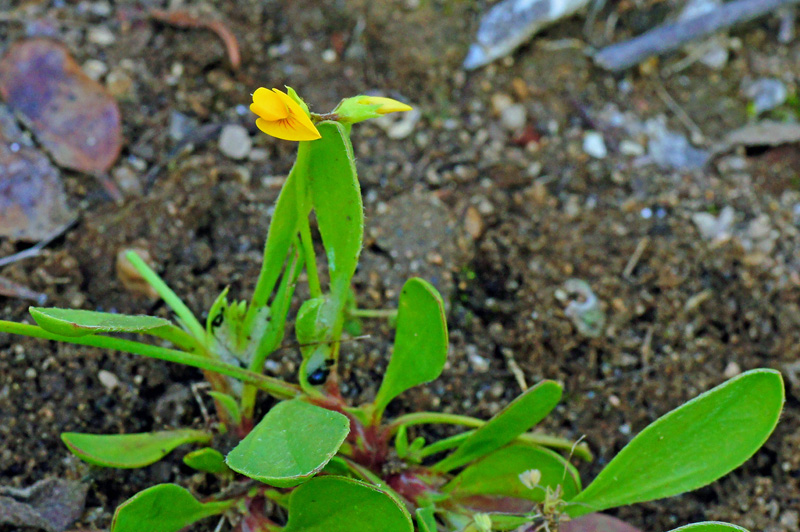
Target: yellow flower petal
x,y
268,105
288,129
281,116
295,111
387,105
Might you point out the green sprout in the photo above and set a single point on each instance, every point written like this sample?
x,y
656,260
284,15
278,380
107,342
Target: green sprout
x,y
335,467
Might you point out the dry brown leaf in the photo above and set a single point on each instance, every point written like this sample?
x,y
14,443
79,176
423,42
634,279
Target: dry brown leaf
x,y
72,116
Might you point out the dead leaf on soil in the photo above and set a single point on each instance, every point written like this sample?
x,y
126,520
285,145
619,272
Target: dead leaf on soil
x,y
597,523
51,504
32,199
184,19
764,133
72,116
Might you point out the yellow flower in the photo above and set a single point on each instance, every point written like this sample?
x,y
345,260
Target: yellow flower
x,y
282,117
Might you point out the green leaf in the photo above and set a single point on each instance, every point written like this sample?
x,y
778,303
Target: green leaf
x,y
519,416
128,451
291,444
420,344
426,521
498,474
72,322
336,197
208,460
691,446
163,508
338,504
229,404
710,526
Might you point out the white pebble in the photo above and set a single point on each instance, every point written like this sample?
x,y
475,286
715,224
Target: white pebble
x,y
514,117
107,379
235,142
594,145
101,35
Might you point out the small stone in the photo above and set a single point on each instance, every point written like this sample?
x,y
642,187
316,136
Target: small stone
x,y
399,125
107,379
329,56
30,373
101,35
473,223
731,370
631,148
95,69
767,94
235,142
180,125
119,84
594,145
514,117
128,180
478,363
501,102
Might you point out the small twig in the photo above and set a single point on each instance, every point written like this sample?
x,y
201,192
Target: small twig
x,y
37,248
683,116
634,260
672,36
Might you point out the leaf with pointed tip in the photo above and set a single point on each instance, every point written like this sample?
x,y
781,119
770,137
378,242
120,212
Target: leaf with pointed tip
x,y
163,508
420,344
128,451
710,526
519,416
73,322
498,474
292,443
692,446
336,196
207,459
338,504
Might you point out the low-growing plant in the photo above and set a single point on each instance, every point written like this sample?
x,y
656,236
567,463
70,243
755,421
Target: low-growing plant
x,y
315,463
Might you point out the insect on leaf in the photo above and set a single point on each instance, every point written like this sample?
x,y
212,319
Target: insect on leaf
x,y
290,444
691,446
73,322
420,344
339,504
519,416
129,451
163,508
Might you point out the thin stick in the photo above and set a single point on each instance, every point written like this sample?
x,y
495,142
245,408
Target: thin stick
x,y
672,36
37,248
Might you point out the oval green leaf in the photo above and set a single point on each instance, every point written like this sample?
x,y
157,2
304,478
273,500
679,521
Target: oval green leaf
x,y
128,451
338,504
290,444
163,508
710,526
498,474
420,343
72,322
336,197
519,416
691,446
207,459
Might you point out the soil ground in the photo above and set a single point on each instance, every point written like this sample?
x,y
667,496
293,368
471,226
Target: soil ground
x,y
498,218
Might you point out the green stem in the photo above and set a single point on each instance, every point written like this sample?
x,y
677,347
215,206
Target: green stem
x,y
303,210
178,337
580,450
389,314
169,297
443,445
275,387
273,336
